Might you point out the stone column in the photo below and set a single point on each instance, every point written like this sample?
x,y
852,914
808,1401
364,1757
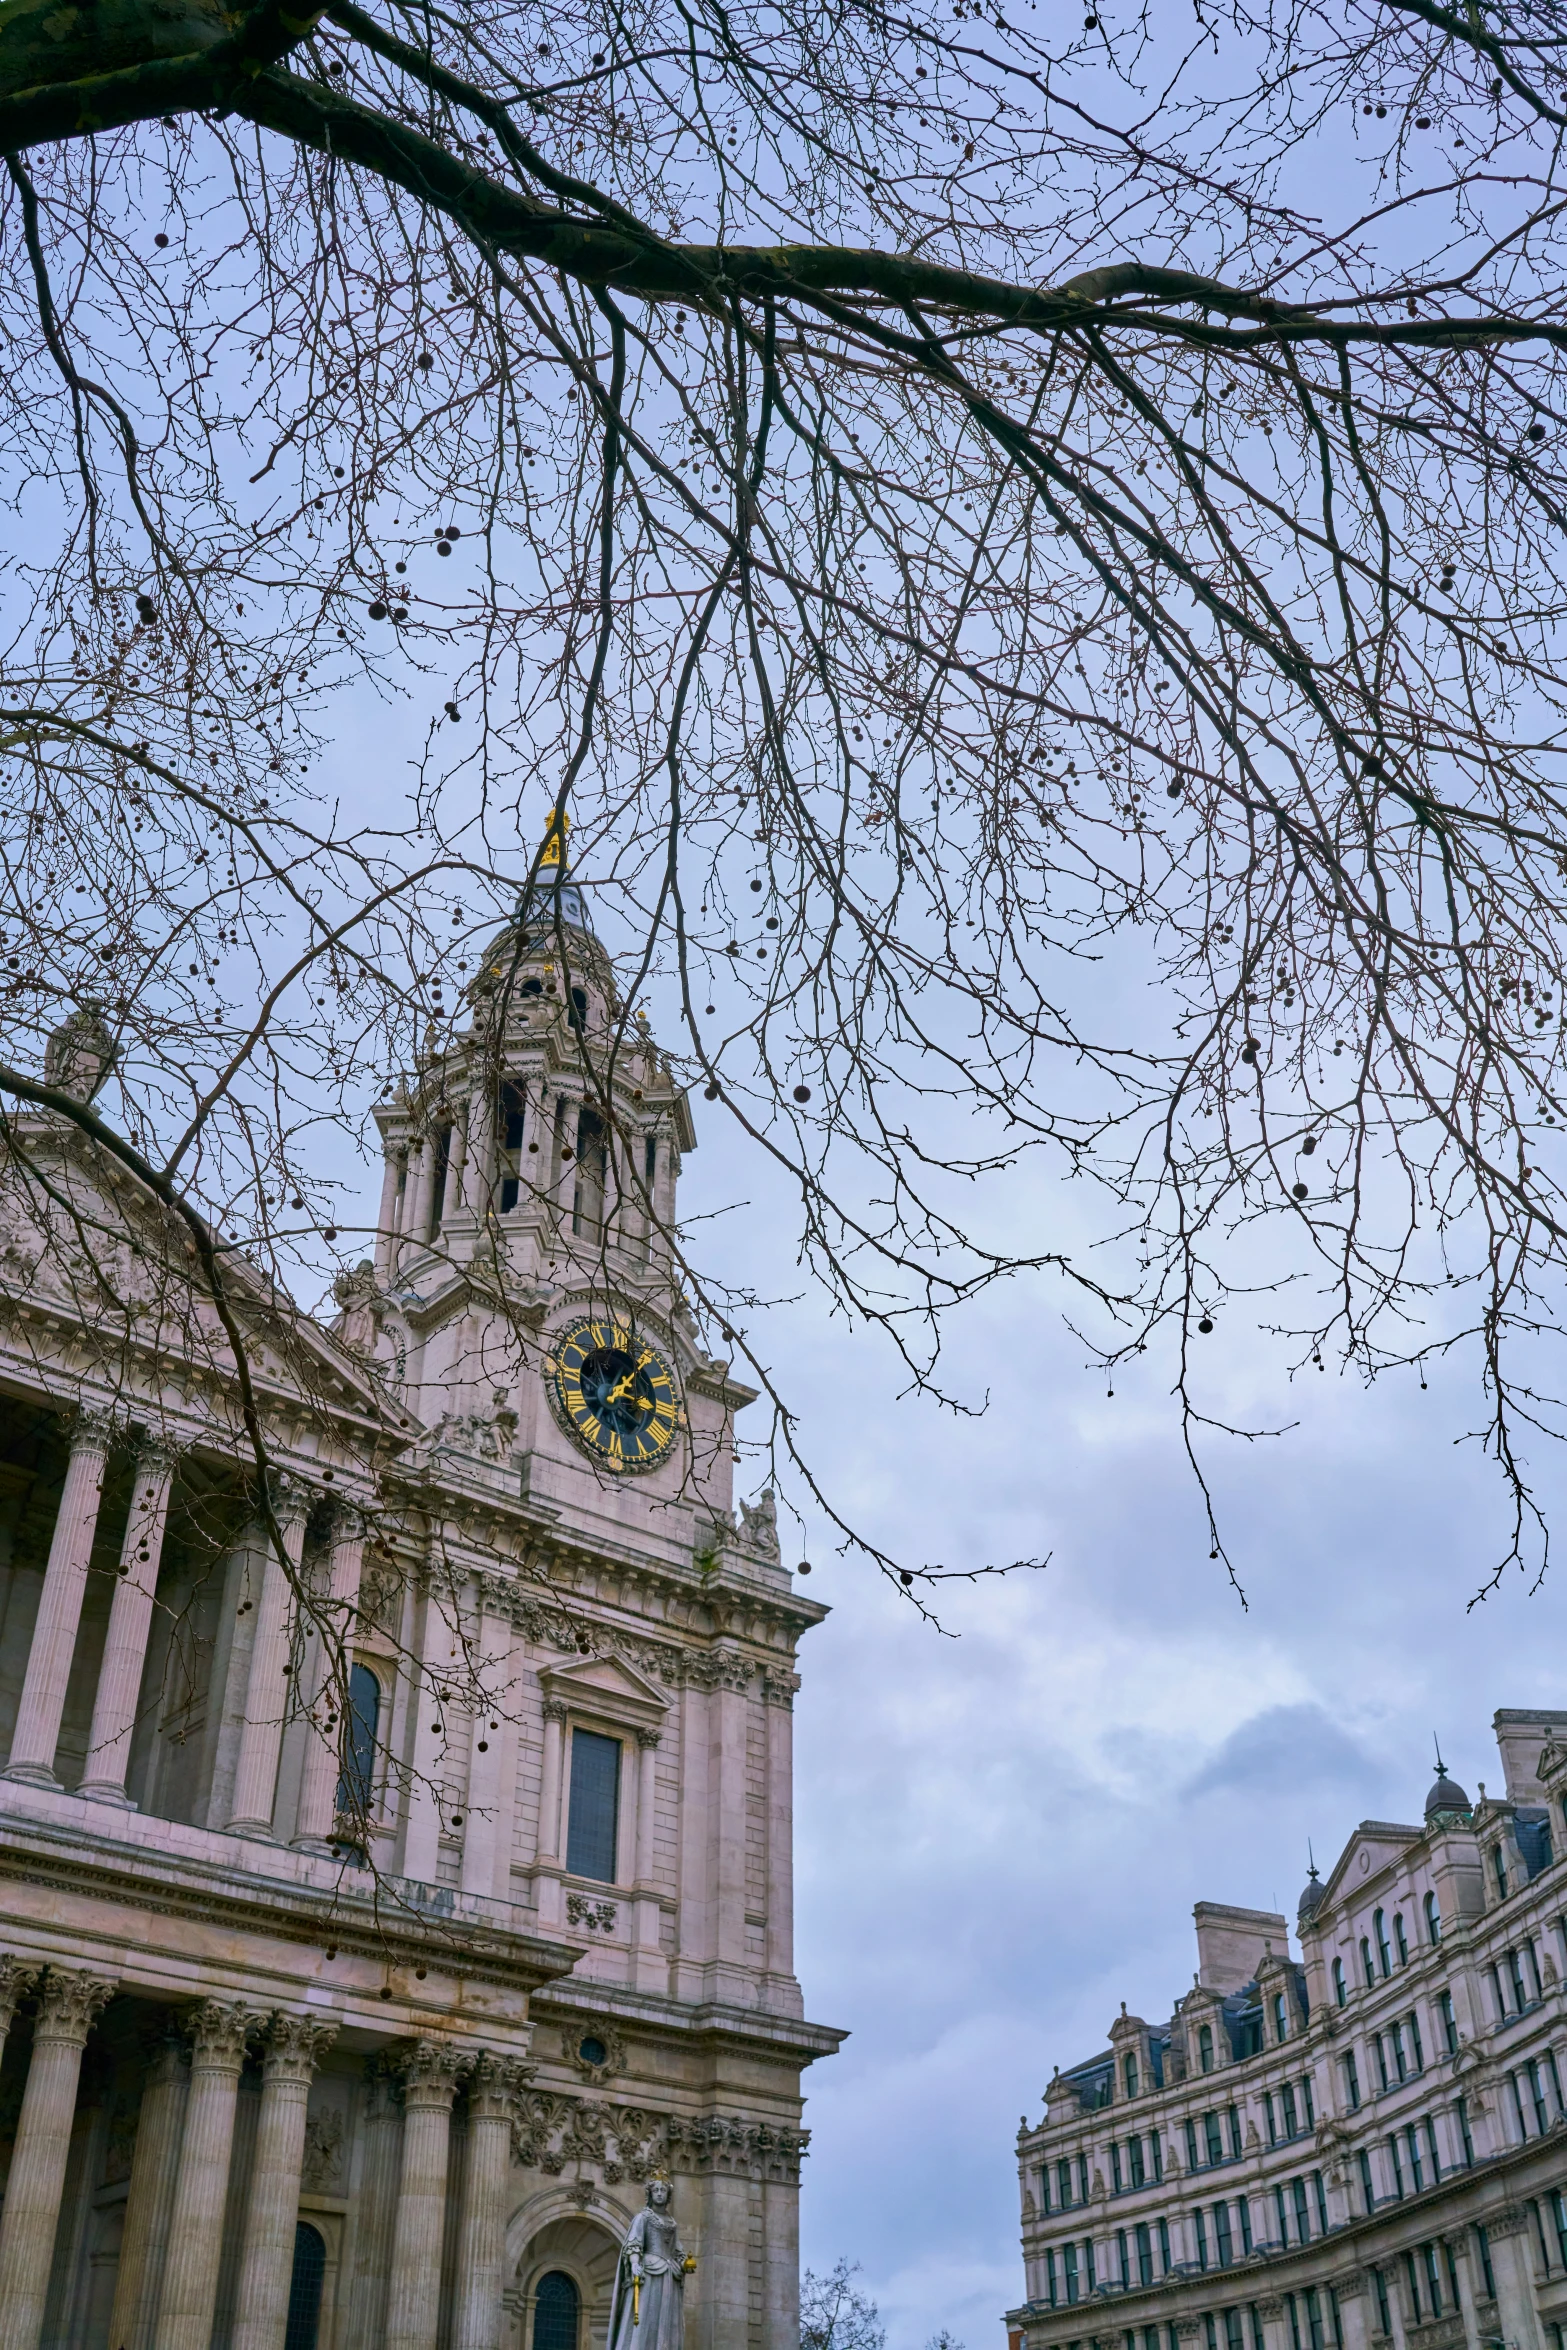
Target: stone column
x,y
130,1620
429,2070
266,1689
651,1973
550,1781
1353,2289
494,2085
479,1171
327,1722
377,2208
778,1698
68,2005
426,1747
293,2050
1512,2264
484,1829
1274,2331
731,1705
722,2312
781,2211
149,2199
190,2271
37,1731
16,1981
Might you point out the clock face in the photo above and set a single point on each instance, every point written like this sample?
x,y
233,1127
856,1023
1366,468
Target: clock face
x,y
615,1393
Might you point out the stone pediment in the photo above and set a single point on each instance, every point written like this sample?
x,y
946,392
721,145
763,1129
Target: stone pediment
x,y
1375,1845
609,1686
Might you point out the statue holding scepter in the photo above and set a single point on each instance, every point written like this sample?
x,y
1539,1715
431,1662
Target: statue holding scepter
x,y
648,2310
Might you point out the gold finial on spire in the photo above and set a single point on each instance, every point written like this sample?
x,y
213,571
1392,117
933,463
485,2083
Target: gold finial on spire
x,y
553,853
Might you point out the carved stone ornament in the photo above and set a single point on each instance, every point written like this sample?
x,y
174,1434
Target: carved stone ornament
x,y
597,1916
495,2084
558,2132
1512,2221
93,1429
218,2034
322,2168
80,1053
16,1980
295,2046
69,2005
594,2048
553,1709
759,1525
429,2070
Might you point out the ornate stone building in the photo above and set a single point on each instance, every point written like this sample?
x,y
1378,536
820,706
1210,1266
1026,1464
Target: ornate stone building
x,y
1365,2148
396,1853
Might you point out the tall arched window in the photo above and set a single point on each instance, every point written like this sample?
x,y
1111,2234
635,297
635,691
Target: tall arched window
x,y
1340,1987
557,2307
1129,2074
1367,1968
304,2292
1205,2047
1384,1948
1401,1939
1433,1919
1281,2029
356,1781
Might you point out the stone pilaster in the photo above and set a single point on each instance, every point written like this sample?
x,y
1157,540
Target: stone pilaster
x,y
130,1620
190,2275
377,2207
68,2005
37,1731
327,1718
16,1980
487,1821
1512,2264
266,1691
429,2072
294,2048
149,2198
494,2085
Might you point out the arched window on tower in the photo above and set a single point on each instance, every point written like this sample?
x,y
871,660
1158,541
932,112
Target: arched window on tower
x,y
303,2330
510,1119
356,1780
557,2312
587,1199
1433,1920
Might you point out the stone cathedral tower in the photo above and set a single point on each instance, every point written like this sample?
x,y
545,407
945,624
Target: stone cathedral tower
x,y
320,2034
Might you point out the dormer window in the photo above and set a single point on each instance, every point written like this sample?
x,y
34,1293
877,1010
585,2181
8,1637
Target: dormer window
x,y
1281,2030
1129,2074
1205,2048
1340,1987
1384,1948
1433,1920
1499,1871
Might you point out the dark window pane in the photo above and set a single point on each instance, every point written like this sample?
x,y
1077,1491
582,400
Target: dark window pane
x,y
595,1806
555,2305
356,1783
304,2293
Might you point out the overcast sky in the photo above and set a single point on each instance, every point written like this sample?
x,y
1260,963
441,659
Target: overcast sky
x,y
1001,1836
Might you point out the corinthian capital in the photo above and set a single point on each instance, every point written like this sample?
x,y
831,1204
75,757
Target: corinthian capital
x,y
429,2070
494,2085
16,1980
218,2034
295,2046
69,2005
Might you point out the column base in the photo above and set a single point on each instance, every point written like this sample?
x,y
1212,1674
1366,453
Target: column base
x,y
106,1791
253,1831
28,1774
319,1848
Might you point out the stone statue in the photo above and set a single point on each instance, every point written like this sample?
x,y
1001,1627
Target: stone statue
x,y
648,2310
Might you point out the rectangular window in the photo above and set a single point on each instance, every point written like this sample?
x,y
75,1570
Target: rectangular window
x,y
1338,2322
1123,2254
1436,2159
1542,2117
1384,2314
1416,2051
1368,2192
1293,2314
1134,2157
1210,2331
1069,2271
1201,2225
1236,2141
1397,2168
1452,2273
1314,2318
1498,1994
1400,2060
1516,1981
1287,2106
1082,2178
1559,2222
1044,2186
1088,2262
1234,2339
1259,2340
1444,2006
1302,2212
1115,2167
1499,1871
1320,2196
1534,1967
1213,2139
1144,2243
1243,2215
1416,2170
593,1816
1280,2216
1308,2102
1223,2242
1483,2242
1461,2116
1352,2082
1165,2262
1556,2079
1192,2162
1523,2127
1428,2255
1064,2183
1381,2056
1267,2115
1050,2278
1412,2280
1156,2153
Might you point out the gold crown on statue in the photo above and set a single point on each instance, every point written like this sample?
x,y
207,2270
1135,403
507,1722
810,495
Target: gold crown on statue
x,y
553,852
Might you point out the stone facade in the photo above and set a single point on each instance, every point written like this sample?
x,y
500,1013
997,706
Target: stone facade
x,y
329,2042
1365,2149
